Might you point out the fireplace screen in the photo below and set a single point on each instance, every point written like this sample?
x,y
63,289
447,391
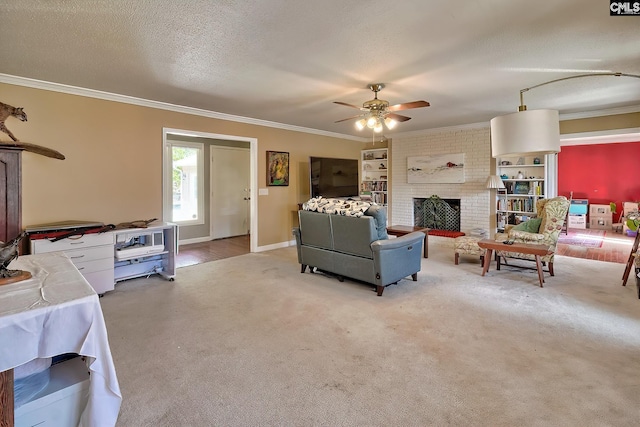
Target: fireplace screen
x,y
437,213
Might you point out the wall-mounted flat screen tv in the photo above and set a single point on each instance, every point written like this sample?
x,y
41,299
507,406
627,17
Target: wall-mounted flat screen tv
x,y
333,177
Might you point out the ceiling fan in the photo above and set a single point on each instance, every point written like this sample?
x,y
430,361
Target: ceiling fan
x,y
377,112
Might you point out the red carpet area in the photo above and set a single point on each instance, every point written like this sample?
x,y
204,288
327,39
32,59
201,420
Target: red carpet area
x,y
445,233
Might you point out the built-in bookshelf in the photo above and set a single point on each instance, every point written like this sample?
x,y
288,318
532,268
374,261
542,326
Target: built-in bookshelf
x,y
374,175
524,178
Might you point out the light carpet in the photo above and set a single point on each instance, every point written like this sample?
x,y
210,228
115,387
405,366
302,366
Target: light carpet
x,y
249,341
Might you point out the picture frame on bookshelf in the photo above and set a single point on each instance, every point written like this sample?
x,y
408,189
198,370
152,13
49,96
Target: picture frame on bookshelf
x,y
521,188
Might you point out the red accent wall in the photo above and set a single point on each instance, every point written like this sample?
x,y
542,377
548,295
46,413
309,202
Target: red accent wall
x,y
601,173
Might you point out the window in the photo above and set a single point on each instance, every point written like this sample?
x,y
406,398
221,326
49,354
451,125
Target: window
x,y
185,183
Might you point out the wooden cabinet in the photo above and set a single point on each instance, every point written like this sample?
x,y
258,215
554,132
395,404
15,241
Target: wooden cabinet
x,y
525,179
10,193
374,175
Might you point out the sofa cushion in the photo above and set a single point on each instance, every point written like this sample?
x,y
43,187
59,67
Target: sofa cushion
x,y
379,214
353,235
317,229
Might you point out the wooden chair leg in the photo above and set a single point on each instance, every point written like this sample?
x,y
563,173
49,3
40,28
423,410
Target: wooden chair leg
x,y
457,256
551,268
380,290
481,260
414,276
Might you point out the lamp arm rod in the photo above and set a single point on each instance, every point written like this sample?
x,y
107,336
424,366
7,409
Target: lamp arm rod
x,y
522,91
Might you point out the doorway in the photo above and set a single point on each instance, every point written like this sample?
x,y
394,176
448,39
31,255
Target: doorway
x,y
202,232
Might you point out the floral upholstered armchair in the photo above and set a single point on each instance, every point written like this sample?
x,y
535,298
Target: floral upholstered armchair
x,y
551,214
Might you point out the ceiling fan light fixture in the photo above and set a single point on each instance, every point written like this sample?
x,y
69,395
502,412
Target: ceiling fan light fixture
x,y
390,123
372,121
378,114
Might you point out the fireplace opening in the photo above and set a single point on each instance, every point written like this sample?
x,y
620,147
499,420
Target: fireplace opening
x,y
436,213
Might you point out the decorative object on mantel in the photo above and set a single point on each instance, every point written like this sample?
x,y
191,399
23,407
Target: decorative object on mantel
x,y
7,111
9,252
443,168
533,131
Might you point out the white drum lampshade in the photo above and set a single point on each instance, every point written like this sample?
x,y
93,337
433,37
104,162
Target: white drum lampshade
x,y
524,132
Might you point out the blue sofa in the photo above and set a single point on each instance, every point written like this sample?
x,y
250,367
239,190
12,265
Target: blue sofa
x,y
350,246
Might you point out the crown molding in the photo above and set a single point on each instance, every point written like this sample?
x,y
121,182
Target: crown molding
x,y
566,116
107,96
125,99
601,137
599,113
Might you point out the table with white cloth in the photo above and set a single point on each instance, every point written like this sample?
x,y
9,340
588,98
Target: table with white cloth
x,y
57,312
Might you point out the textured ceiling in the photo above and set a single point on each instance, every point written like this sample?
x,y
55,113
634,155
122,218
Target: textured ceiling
x,y
287,61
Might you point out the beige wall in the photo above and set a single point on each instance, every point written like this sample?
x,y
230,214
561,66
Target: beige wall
x,y
113,167
602,123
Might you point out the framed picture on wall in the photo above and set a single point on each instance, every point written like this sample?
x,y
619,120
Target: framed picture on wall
x,y
277,168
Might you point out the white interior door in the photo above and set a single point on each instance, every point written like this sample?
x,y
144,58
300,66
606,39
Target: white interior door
x,y
230,191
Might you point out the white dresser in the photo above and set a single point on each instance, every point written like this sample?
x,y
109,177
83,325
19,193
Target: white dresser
x,y
92,254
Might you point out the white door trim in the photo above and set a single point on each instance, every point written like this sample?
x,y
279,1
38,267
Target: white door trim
x,y
253,148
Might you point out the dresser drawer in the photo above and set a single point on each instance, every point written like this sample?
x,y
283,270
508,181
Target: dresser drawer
x,y
95,265
88,240
90,254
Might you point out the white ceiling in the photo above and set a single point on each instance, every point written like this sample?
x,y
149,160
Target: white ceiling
x,y
287,61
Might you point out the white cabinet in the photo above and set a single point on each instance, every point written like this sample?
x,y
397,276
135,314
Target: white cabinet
x,y
374,175
145,251
92,254
525,180
107,258
62,400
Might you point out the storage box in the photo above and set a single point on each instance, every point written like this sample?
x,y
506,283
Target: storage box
x,y
62,401
600,210
577,221
579,207
600,223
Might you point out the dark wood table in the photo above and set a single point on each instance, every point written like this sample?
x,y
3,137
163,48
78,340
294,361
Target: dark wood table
x,y
401,230
521,248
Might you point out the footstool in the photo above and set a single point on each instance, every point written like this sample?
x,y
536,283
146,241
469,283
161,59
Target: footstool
x,y
468,245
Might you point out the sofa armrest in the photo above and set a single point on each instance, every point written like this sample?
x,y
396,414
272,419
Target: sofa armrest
x,y
526,236
394,259
415,238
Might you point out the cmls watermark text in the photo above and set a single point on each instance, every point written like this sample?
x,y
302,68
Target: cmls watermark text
x,y
622,8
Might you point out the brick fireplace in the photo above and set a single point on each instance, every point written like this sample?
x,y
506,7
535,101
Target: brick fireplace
x,y
472,199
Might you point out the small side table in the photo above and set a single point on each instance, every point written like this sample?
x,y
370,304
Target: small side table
x,y
401,230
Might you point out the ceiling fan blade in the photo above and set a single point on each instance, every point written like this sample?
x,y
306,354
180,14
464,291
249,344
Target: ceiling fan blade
x,y
346,105
397,117
348,118
408,105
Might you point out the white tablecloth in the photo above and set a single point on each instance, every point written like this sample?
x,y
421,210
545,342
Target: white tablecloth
x,y
57,312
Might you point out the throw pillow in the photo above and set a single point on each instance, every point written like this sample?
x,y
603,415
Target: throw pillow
x,y
379,214
530,226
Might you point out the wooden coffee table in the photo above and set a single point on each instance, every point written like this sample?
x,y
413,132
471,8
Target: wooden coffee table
x,y
401,230
521,248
